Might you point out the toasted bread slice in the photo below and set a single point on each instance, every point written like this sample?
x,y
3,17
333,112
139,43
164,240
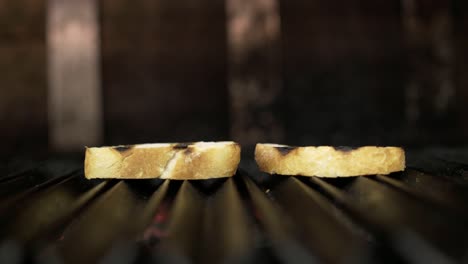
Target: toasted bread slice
x,y
182,161
325,161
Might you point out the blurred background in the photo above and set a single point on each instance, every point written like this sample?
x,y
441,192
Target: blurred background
x,y
85,72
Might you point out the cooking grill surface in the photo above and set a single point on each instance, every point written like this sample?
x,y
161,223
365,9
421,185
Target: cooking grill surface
x,y
50,214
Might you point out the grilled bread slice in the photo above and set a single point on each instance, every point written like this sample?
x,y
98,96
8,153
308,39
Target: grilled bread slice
x,y
181,161
326,161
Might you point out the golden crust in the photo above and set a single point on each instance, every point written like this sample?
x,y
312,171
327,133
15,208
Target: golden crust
x,y
326,161
201,160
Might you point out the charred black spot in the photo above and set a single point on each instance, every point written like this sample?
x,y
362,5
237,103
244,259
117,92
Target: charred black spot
x,y
123,148
345,148
183,145
285,150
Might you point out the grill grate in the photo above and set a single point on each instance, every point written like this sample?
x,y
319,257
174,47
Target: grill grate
x,y
50,213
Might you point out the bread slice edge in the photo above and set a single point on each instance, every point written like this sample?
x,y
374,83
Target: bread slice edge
x,y
184,161
328,161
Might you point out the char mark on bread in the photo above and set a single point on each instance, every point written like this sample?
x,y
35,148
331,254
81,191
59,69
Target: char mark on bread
x,y
345,149
285,150
123,148
183,145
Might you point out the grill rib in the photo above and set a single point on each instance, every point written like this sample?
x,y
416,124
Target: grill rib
x,y
50,212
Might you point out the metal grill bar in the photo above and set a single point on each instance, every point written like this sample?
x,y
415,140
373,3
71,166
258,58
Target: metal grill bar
x,y
10,173
101,225
41,215
409,217
145,218
277,227
22,180
455,172
17,166
400,211
430,187
227,230
15,189
379,233
182,242
315,222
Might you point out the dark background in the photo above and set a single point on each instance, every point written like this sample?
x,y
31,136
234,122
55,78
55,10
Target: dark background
x,y
351,73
